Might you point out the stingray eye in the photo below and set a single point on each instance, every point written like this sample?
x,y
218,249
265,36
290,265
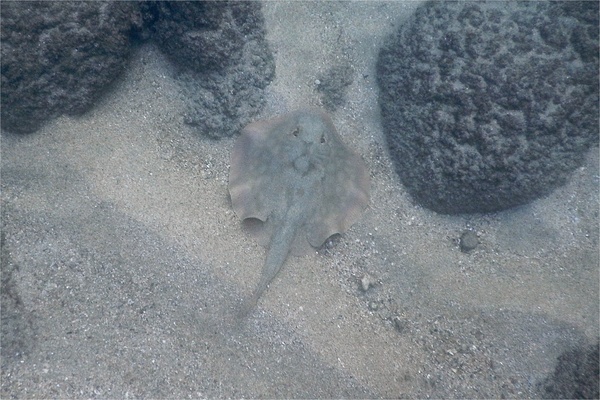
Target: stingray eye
x,y
296,131
323,139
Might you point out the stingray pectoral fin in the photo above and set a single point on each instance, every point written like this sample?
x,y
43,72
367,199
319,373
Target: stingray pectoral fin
x,y
260,230
342,204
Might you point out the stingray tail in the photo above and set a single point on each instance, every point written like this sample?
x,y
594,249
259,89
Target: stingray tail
x,y
248,305
281,243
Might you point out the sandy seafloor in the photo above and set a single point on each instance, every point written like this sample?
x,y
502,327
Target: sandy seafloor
x,y
125,261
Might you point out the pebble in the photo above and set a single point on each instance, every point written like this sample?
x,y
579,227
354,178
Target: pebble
x,y
400,324
366,282
468,241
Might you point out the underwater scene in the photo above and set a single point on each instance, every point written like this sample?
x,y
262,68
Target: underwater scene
x,y
299,199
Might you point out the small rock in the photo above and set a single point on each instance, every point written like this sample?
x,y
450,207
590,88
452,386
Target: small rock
x,y
468,241
366,282
400,324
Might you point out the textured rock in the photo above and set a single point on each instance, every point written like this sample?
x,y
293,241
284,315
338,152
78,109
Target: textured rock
x,y
333,85
576,375
488,106
224,59
58,57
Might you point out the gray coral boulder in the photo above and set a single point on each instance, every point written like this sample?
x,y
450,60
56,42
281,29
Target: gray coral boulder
x,y
223,56
487,106
59,57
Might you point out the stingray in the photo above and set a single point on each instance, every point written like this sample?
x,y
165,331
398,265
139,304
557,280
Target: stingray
x,y
294,183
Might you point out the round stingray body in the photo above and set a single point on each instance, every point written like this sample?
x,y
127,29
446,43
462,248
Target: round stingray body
x,y
295,169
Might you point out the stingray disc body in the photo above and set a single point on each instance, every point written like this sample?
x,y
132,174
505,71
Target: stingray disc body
x,y
298,183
